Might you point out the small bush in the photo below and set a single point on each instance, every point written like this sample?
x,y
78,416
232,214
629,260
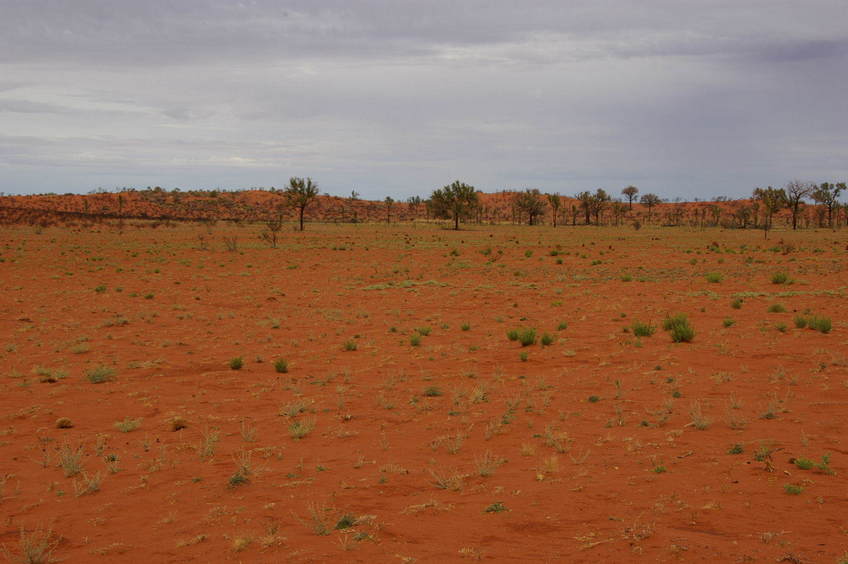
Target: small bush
x,y
238,479
527,337
350,345
64,423
301,428
465,326
714,277
736,304
281,366
776,308
512,334
346,521
496,507
415,340
547,339
562,326
678,326
236,363
793,489
642,329
800,321
779,278
100,374
820,324
432,392
728,322
127,425
424,331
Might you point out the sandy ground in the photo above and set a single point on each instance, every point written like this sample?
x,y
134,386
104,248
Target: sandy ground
x,y
407,426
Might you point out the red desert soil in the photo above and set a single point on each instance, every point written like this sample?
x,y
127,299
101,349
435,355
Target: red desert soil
x,y
436,438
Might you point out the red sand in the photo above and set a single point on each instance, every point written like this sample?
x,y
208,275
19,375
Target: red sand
x,y
564,479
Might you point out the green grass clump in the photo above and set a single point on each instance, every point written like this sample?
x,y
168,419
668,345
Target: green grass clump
x,y
547,339
780,278
236,363
415,340
714,277
432,392
496,507
238,479
424,331
465,326
736,449
793,489
808,464
350,345
736,304
301,428
679,328
527,337
800,321
776,308
100,374
728,322
820,324
127,425
642,329
512,334
281,366
562,325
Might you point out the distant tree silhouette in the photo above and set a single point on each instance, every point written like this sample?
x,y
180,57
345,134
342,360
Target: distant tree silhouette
x,y
796,191
555,202
585,198
772,200
630,192
388,201
455,201
650,201
299,194
530,202
827,194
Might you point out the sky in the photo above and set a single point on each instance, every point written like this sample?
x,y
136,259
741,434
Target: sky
x,y
682,98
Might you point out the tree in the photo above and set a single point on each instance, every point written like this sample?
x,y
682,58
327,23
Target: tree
x,y
650,201
274,225
796,191
530,202
772,199
555,201
630,192
828,195
585,198
388,201
299,194
455,201
619,210
600,199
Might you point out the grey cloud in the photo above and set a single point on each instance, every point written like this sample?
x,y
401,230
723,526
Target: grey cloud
x,y
395,98
28,107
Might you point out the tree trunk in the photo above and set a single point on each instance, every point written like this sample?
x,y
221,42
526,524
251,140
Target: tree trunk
x,y
302,209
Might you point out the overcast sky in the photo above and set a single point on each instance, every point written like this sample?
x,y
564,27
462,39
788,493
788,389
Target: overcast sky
x,y
681,98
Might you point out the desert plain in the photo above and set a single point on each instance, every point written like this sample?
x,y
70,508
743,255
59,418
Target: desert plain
x,y
411,393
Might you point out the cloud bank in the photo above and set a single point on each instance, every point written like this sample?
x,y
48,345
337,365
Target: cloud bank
x,y
398,98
